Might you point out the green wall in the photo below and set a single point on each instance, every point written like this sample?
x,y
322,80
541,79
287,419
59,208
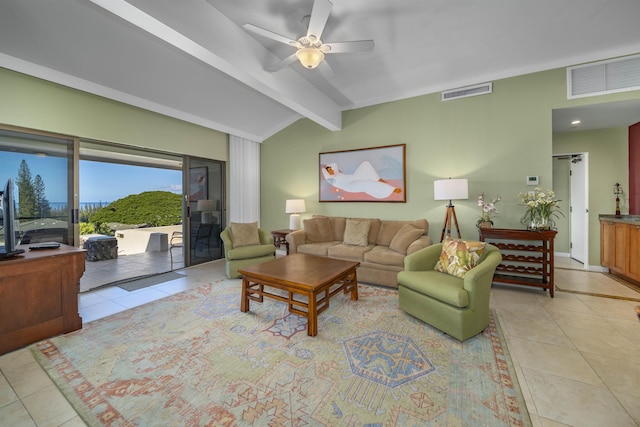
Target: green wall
x,y
494,140
33,103
608,163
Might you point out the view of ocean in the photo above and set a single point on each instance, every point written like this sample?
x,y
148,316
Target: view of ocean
x,y
83,205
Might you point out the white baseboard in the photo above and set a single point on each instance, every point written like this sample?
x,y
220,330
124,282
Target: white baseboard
x,y
594,268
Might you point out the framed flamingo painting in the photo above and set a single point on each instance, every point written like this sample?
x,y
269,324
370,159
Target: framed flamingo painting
x,y
198,185
376,174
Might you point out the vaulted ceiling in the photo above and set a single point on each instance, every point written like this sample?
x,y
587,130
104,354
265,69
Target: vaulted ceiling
x,y
192,59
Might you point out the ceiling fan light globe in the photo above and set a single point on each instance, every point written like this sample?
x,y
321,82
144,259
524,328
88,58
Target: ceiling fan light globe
x,y
309,57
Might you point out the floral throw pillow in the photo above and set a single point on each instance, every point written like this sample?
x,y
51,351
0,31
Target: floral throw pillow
x,y
459,256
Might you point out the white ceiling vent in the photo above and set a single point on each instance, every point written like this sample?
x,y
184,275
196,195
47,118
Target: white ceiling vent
x,y
599,78
464,92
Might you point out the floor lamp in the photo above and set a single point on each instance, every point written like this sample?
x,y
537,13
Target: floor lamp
x,y
450,189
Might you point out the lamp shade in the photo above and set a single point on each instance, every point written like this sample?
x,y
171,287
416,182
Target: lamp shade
x,y
295,206
205,205
206,208
451,189
309,57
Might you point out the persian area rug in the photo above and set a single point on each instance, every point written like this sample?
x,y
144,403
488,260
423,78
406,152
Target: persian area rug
x,y
193,359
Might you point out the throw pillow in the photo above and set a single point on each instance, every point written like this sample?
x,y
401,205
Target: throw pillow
x,y
245,234
459,256
404,237
356,233
317,230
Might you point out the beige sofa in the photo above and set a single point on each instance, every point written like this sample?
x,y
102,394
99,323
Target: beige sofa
x,y
379,245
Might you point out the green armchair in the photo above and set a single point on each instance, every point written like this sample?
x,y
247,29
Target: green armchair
x,y
456,306
244,256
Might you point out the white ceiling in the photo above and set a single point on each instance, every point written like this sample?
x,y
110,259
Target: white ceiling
x,y
192,60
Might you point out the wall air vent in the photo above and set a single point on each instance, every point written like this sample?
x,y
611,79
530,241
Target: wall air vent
x,y
599,78
467,91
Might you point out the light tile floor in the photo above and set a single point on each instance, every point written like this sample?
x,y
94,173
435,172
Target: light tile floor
x,y
101,273
577,356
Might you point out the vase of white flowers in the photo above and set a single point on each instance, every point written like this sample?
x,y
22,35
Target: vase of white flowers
x,y
541,209
487,209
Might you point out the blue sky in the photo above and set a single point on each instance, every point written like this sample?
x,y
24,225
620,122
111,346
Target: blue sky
x,y
99,182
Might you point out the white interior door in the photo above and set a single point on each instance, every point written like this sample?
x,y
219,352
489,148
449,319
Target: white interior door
x,y
579,208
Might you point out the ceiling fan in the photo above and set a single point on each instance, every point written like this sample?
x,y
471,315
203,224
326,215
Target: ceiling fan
x,y
310,48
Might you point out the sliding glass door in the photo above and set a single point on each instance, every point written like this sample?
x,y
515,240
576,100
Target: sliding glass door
x,y
41,167
204,206
165,211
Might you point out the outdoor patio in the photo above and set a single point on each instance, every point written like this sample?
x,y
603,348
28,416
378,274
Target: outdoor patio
x,y
102,273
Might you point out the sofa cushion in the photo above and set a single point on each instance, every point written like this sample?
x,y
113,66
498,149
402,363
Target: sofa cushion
x,y
338,224
374,229
317,230
382,255
348,252
244,234
356,232
459,256
388,229
253,251
404,237
445,288
318,249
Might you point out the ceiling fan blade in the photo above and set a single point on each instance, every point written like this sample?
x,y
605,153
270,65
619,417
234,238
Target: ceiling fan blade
x,y
270,35
348,47
319,16
281,64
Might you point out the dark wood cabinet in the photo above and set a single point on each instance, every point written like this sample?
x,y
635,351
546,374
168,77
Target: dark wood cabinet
x,y
527,256
39,295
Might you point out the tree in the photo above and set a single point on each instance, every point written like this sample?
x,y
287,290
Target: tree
x,y
153,208
88,211
26,194
43,209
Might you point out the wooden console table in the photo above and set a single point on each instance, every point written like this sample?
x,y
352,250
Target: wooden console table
x,y
39,295
527,256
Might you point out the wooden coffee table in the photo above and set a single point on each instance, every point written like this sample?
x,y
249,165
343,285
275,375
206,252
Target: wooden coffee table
x,y
312,279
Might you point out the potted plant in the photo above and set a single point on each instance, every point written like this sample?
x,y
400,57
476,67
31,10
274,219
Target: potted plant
x,y
487,209
541,209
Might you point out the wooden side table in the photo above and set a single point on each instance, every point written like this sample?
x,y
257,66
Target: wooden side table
x,y
527,256
279,238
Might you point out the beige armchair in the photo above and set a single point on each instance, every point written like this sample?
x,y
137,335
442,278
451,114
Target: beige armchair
x,y
456,306
238,257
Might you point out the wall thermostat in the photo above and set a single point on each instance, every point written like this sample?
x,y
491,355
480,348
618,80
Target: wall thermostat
x,y
532,180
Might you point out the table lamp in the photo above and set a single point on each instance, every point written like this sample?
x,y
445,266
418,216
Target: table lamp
x,y
450,189
295,207
206,208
